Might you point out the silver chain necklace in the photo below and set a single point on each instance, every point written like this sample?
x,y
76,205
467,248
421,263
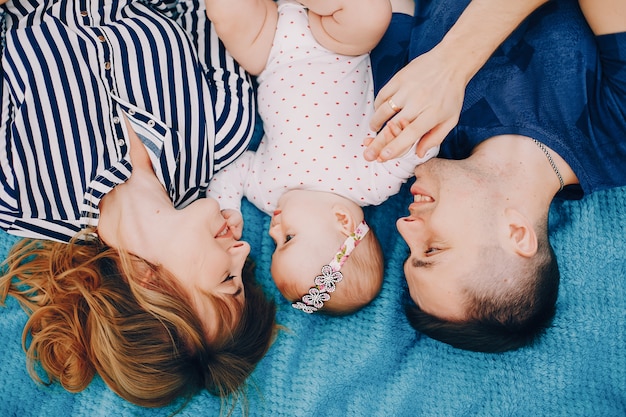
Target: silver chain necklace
x,y
551,161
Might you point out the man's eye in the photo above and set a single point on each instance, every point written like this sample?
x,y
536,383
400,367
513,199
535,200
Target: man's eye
x,y
288,238
229,278
431,251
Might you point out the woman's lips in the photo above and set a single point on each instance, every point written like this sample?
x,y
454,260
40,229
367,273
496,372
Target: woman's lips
x,y
223,232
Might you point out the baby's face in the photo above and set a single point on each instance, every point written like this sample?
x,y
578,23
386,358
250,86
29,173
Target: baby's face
x,y
307,236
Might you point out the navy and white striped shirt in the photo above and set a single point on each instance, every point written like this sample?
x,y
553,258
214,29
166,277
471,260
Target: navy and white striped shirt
x,y
72,68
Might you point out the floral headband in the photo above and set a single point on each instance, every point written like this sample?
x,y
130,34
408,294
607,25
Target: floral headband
x,y
325,283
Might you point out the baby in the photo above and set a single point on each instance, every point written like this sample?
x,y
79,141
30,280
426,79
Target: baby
x,y
315,98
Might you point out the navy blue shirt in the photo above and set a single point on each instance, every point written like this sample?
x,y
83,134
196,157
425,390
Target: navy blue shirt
x,y
551,80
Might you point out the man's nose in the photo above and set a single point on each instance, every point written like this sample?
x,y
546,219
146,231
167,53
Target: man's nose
x,y
412,226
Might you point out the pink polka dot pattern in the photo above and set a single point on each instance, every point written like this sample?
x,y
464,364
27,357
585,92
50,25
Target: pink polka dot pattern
x,y
315,106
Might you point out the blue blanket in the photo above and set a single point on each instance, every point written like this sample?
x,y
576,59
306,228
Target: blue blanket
x,y
373,364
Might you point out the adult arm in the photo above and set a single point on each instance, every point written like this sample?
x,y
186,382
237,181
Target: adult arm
x,y
605,16
246,27
348,27
429,91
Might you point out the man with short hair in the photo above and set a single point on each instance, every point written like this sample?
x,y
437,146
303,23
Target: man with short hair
x,y
544,116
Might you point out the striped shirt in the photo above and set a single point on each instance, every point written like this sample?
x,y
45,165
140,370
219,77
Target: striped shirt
x,y
73,69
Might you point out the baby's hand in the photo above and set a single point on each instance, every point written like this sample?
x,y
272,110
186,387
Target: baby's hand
x,y
234,220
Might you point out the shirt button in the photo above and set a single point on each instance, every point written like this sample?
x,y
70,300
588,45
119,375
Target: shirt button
x,y
151,123
131,112
116,120
84,13
121,142
101,38
107,65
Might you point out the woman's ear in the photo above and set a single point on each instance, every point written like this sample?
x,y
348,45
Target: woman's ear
x,y
521,233
345,219
144,274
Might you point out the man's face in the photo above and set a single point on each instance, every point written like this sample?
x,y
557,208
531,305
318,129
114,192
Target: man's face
x,y
452,216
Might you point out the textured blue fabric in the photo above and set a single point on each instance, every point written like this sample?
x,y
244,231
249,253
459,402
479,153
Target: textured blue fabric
x,y
373,364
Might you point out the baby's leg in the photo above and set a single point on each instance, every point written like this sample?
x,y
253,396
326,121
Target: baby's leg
x,y
403,6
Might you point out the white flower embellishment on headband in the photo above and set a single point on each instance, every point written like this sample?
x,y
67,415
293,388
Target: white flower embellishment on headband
x,y
326,283
328,279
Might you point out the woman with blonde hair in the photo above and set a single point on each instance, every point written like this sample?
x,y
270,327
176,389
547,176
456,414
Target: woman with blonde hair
x,y
114,118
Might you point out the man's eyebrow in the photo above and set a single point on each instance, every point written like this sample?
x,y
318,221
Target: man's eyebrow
x,y
418,263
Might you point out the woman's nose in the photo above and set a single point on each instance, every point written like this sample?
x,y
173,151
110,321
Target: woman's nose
x,y
240,248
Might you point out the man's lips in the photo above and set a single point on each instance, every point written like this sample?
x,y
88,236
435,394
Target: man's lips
x,y
420,196
420,199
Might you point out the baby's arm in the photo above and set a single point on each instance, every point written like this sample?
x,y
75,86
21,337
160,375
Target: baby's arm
x,y
228,185
348,27
246,27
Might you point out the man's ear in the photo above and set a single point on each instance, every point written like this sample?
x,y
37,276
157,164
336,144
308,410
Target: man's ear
x,y
345,219
521,233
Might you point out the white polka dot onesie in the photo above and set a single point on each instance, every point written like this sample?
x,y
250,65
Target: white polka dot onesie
x,y
315,106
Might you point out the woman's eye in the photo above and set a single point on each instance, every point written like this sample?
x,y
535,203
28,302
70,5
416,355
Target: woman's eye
x,y
288,238
229,278
431,251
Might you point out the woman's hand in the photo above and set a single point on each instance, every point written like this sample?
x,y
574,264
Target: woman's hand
x,y
425,98
234,220
422,102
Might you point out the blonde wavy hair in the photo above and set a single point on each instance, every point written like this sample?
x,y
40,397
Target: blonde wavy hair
x,y
92,311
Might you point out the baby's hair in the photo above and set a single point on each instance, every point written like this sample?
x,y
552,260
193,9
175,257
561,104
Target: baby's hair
x,y
362,278
331,292
93,311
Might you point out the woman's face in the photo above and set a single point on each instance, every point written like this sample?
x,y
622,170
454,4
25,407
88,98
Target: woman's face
x,y
207,260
